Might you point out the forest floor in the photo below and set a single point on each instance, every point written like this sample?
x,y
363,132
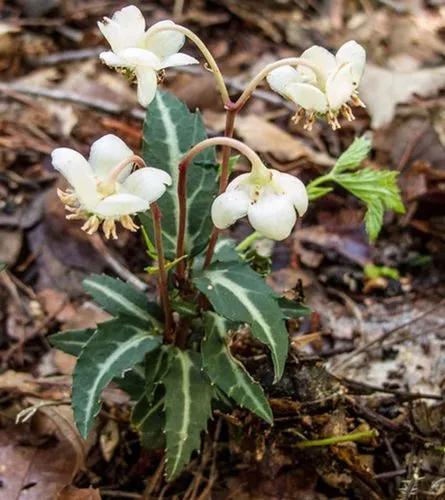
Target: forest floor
x,y
371,354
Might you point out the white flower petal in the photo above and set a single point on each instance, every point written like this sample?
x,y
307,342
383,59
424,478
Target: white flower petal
x,y
294,189
120,204
125,29
235,184
106,153
112,59
165,43
354,53
340,86
78,172
322,58
228,207
307,96
140,57
273,215
147,183
147,85
178,59
280,77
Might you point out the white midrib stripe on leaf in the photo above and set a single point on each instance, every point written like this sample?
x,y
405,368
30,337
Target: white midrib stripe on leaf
x,y
174,151
117,297
150,412
243,297
182,434
239,369
106,365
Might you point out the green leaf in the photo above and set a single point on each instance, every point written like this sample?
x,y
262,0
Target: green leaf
x,y
372,271
353,156
71,341
148,418
227,372
239,294
116,346
117,297
132,382
292,310
378,189
225,251
157,363
315,192
170,129
3,266
188,395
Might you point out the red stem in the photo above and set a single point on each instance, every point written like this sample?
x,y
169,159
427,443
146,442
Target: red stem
x,y
182,197
162,276
224,178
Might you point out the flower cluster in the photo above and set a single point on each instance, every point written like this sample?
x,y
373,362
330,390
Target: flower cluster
x,y
139,53
326,90
269,198
103,189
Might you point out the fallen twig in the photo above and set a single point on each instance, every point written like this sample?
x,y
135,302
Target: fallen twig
x,y
69,96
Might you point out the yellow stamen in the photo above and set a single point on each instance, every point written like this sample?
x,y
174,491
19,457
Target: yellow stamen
x,y
309,122
67,197
298,116
346,111
91,225
356,101
333,120
109,229
128,223
77,215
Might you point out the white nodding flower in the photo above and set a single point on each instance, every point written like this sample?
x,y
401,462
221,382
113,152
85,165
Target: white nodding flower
x,y
142,53
270,199
103,189
327,89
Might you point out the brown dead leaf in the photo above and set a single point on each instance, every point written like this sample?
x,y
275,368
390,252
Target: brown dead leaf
x,y
11,245
58,419
266,137
71,493
383,89
34,467
319,239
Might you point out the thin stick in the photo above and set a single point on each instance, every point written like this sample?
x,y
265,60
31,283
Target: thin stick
x,y
162,276
354,436
66,95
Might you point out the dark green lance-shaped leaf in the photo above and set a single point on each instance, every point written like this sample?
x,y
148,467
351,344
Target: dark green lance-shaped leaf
x,y
71,341
148,418
157,363
115,347
239,294
227,372
132,382
118,297
293,310
170,129
188,395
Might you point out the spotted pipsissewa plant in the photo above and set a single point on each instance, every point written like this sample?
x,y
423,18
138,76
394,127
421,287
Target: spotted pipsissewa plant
x,y
174,359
